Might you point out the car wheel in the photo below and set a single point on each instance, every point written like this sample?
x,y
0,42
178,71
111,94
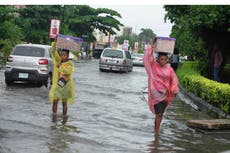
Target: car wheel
x,y
8,82
101,70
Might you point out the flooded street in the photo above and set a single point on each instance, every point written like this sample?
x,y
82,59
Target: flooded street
x,y
110,115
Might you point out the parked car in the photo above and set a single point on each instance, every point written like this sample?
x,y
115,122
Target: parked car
x,y
30,62
137,59
115,60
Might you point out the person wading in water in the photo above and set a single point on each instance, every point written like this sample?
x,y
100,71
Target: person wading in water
x,y
162,84
62,82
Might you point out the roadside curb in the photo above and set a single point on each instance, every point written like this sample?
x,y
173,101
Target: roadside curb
x,y
203,105
213,124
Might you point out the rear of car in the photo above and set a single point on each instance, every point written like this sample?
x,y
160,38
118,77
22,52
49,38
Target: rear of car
x,y
137,59
115,60
29,62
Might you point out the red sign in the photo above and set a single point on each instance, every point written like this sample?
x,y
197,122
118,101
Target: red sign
x,y
54,28
136,45
126,42
125,47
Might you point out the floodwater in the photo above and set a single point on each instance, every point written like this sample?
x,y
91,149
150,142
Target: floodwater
x,y
110,115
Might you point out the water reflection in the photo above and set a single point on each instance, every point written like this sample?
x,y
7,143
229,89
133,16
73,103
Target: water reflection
x,y
55,118
158,146
61,136
153,146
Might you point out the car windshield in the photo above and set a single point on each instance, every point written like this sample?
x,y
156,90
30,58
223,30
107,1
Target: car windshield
x,y
28,51
113,53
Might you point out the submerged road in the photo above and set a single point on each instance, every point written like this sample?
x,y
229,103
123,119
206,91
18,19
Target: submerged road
x,y
110,115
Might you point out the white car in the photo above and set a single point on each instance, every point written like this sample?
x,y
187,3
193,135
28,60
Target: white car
x,y
115,60
31,63
137,59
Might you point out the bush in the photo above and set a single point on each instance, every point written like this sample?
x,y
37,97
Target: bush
x,y
140,51
217,94
6,48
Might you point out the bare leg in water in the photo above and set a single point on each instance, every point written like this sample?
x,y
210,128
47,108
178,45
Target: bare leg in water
x,y
54,109
158,120
55,106
64,105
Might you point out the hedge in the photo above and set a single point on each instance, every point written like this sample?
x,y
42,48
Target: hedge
x,y
217,94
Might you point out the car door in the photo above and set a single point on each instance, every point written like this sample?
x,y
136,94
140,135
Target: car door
x,y
128,59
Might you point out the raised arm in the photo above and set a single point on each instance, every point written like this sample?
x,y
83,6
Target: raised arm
x,y
148,59
55,54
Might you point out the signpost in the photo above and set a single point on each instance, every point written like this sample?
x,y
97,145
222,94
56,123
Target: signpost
x,y
136,46
112,38
125,45
54,28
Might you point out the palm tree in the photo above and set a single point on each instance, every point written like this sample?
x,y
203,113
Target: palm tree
x,y
146,35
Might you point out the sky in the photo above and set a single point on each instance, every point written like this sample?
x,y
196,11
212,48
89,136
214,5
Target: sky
x,y
135,13
142,16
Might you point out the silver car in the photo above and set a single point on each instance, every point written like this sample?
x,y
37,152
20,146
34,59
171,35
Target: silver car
x,y
137,59
30,62
115,60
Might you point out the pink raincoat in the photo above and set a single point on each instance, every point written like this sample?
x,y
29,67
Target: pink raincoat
x,y
162,81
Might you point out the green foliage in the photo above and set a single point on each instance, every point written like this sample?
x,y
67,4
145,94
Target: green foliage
x,y
34,20
146,35
121,39
140,51
7,46
10,33
199,17
218,94
76,20
132,39
8,29
32,23
198,28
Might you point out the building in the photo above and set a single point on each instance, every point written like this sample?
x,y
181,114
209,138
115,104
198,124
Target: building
x,y
127,31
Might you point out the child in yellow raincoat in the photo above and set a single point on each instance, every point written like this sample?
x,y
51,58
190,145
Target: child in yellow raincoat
x,y
62,82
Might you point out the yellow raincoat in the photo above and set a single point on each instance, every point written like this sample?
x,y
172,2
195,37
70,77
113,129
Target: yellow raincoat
x,y
65,70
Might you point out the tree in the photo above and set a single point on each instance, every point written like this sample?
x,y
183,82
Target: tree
x,y
76,20
146,35
85,19
10,33
35,20
132,39
199,27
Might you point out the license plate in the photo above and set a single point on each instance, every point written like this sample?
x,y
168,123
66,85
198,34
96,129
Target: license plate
x,y
23,75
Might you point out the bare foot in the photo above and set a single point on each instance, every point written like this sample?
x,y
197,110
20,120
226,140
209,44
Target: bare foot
x,y
64,119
